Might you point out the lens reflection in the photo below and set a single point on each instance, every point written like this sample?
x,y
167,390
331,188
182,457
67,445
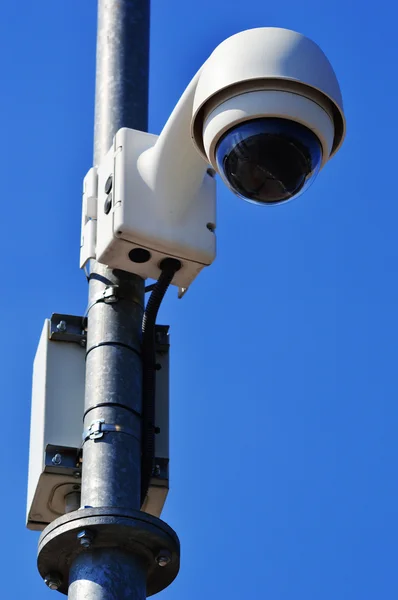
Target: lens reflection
x,y
270,160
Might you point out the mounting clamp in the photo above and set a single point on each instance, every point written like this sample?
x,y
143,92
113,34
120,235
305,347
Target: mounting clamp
x,y
98,427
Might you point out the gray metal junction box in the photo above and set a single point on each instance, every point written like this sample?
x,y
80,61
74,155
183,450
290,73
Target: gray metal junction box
x,y
55,455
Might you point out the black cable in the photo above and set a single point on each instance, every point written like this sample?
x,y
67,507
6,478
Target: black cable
x,y
150,287
169,267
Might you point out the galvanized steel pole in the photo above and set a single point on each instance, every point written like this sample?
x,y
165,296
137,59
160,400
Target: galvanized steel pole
x,y
112,469
108,549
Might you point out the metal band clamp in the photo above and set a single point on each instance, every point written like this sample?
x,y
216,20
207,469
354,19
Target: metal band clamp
x,y
109,295
98,428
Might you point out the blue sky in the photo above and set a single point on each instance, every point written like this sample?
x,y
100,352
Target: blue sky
x,y
284,352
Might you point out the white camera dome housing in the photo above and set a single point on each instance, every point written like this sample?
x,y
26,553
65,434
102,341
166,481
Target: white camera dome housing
x,y
267,113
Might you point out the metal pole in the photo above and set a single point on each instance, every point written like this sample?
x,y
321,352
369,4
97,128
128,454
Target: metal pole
x,y
112,469
109,549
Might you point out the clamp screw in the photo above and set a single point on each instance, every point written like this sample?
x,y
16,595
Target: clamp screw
x,y
61,327
86,537
56,459
53,581
163,558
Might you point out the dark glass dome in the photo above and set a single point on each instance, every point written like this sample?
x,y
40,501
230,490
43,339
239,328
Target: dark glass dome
x,y
269,160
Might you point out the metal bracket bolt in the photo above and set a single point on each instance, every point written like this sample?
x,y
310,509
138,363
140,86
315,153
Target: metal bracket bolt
x,y
61,327
56,459
53,581
163,558
86,537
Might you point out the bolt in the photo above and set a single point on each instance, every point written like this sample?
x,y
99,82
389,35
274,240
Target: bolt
x,y
86,537
56,459
156,471
61,327
76,474
163,558
83,342
53,581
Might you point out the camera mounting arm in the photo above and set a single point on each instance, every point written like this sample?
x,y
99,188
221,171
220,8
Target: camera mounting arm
x,y
173,168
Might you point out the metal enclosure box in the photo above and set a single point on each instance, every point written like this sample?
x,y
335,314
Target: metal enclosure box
x,y
57,421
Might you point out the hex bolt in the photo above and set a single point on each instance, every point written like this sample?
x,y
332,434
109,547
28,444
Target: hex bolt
x,y
76,474
163,558
56,459
86,537
53,581
61,327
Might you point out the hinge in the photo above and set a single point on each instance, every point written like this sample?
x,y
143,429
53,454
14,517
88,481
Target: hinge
x,y
89,217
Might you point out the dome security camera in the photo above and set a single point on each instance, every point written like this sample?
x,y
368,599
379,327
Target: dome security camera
x,y
268,113
264,111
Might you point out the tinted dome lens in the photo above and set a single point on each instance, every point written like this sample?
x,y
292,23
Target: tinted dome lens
x,y
269,161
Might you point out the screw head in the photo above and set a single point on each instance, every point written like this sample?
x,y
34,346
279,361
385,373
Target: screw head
x,y
76,474
53,581
86,537
61,326
163,558
56,459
